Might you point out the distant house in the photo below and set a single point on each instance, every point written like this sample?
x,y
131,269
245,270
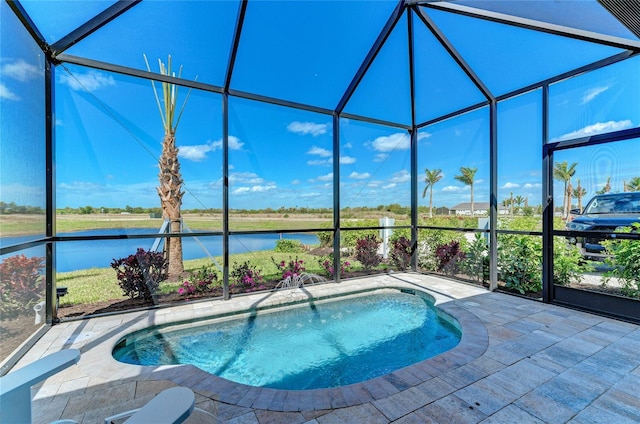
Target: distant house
x,y
479,208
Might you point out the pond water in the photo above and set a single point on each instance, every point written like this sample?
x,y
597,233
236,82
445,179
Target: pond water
x,y
75,255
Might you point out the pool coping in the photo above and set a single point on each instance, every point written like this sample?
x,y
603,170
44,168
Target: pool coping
x,y
97,341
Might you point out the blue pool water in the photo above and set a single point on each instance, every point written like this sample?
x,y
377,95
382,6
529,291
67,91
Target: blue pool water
x,y
317,345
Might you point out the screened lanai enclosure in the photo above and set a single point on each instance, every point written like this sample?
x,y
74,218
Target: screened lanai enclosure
x,y
163,151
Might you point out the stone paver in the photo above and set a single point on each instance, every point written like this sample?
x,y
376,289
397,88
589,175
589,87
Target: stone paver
x,y
518,361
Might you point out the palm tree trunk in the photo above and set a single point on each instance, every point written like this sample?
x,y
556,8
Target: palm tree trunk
x,y
170,192
472,207
431,202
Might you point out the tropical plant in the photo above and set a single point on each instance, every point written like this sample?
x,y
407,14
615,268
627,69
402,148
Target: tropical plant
x,y
246,277
520,263
431,177
367,252
563,171
450,257
139,275
568,264
326,262
624,260
292,267
401,252
467,177
22,284
200,281
170,177
476,262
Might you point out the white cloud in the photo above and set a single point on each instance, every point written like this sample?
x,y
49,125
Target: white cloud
x,y
597,128
91,81
348,145
359,176
401,176
380,157
295,182
344,160
245,178
397,141
532,185
592,93
319,151
21,70
307,195
199,152
254,189
511,185
305,128
7,94
389,186
326,177
317,162
451,188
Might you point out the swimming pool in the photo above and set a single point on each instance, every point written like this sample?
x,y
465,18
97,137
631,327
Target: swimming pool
x,y
318,344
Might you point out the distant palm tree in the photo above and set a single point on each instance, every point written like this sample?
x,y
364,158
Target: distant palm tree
x,y
579,193
466,177
431,177
170,177
563,172
507,203
606,188
519,200
633,185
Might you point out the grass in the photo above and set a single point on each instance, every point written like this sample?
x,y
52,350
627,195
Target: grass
x,y
100,284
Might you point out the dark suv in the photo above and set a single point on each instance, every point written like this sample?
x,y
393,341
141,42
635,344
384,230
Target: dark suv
x,y
607,213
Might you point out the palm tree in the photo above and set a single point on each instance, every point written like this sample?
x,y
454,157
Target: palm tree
x,y
606,188
466,177
519,200
633,185
579,193
431,177
170,178
507,203
563,172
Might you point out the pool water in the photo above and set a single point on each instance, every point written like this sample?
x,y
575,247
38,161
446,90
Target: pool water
x,y
318,345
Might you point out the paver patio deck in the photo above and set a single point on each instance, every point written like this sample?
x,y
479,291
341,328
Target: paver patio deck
x,y
519,361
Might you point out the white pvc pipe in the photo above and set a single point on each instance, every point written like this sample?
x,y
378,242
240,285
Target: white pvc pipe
x,y
39,310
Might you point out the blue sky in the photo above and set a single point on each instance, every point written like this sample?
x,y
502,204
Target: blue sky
x,y
108,130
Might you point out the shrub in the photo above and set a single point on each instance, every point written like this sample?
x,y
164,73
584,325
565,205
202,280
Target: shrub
x,y
22,284
568,265
200,281
291,268
246,277
520,263
367,252
449,257
326,262
476,263
289,246
625,261
140,274
401,253
326,238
